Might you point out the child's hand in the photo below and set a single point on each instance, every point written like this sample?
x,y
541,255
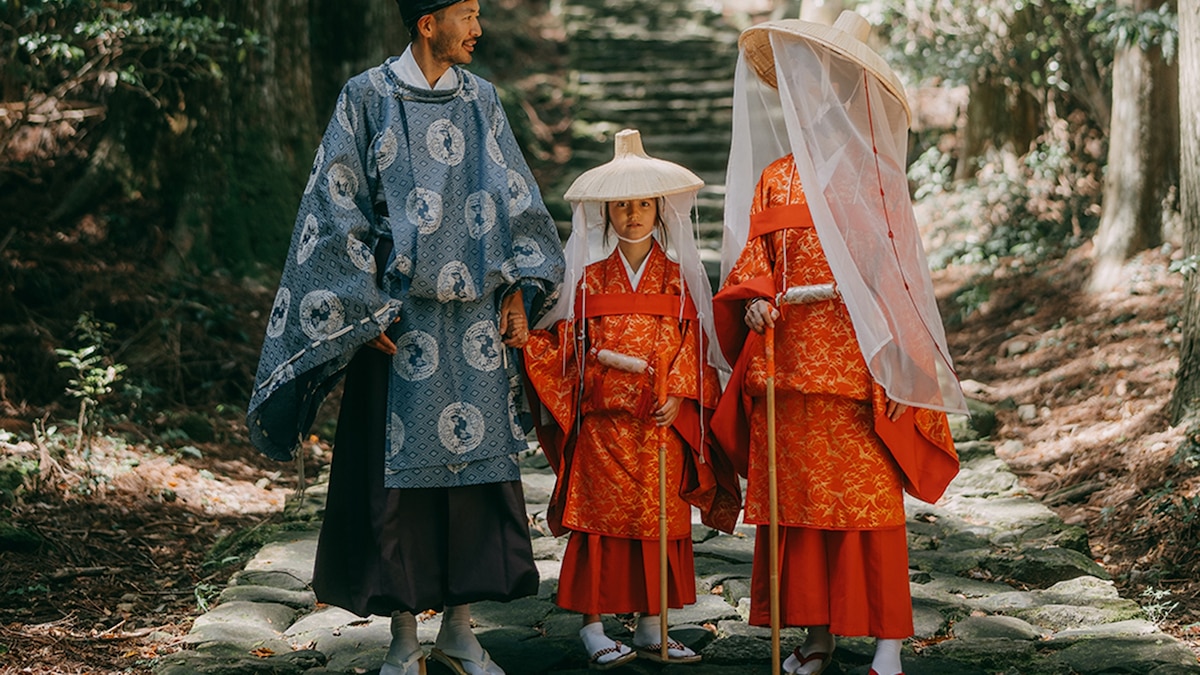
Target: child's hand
x,y
760,314
666,414
894,410
514,327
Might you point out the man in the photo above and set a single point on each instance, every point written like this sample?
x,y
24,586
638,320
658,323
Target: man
x,y
821,248
420,246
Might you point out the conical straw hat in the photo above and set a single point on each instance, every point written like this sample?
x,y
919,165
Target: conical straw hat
x,y
847,38
632,174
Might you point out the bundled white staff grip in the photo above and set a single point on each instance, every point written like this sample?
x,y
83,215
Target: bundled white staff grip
x,y
629,364
802,295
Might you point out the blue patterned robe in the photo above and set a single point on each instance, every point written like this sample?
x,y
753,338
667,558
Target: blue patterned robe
x,y
467,226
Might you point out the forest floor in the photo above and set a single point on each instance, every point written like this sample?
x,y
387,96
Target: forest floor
x,y
112,563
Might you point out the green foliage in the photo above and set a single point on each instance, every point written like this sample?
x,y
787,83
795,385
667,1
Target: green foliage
x,y
1185,266
1033,207
1122,27
95,374
86,49
1158,606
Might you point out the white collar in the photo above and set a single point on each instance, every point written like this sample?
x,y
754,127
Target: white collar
x,y
635,276
409,72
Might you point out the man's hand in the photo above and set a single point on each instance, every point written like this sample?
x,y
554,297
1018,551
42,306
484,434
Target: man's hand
x,y
384,344
761,314
894,410
666,414
514,326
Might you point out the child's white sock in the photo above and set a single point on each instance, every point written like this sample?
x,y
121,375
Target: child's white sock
x,y
594,641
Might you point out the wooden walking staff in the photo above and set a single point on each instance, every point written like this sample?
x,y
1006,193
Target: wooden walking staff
x,y
772,498
664,365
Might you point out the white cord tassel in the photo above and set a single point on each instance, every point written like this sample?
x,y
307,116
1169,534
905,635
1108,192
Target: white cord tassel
x,y
624,362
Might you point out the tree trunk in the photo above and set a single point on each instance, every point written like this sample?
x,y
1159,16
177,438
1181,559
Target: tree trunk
x,y
349,36
1185,402
1001,115
1143,156
250,147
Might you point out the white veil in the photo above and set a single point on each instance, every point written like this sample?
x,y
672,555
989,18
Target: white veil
x,y
848,134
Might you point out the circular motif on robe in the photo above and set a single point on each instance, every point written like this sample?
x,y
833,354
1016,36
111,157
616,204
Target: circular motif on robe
x,y
416,356
493,148
424,209
321,313
347,117
455,283
360,254
460,427
519,197
480,213
527,252
403,265
318,162
282,375
445,142
308,239
343,185
279,312
395,444
509,270
387,148
481,345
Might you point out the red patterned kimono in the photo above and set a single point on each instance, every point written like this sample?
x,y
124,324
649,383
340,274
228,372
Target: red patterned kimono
x,y
607,459
843,547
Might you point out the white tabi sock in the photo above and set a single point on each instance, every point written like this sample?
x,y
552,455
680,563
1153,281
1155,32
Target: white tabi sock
x,y
403,647
649,632
594,640
819,639
458,640
887,657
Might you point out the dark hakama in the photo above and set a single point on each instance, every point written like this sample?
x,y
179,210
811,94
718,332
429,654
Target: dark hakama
x,y
383,550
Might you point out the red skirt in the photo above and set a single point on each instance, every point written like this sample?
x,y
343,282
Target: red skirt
x,y
854,581
613,575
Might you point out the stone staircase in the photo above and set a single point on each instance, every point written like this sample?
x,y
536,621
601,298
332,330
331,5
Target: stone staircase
x,y
664,68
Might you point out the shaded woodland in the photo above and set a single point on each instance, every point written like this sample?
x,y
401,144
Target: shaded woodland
x,y
152,153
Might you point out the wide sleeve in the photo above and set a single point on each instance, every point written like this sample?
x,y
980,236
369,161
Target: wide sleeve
x,y
535,245
328,303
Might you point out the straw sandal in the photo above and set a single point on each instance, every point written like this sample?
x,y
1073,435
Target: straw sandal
x,y
455,662
595,664
653,652
416,658
824,657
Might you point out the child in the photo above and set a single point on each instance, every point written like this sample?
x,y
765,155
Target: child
x,y
619,370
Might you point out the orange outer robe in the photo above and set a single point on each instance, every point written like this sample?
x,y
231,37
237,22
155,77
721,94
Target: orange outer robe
x,y
606,460
842,466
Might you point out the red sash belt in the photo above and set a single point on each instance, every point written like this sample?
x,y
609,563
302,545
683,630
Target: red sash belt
x,y
780,218
656,304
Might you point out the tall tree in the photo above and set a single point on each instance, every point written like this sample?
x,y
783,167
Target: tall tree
x,y
1185,402
1143,150
251,147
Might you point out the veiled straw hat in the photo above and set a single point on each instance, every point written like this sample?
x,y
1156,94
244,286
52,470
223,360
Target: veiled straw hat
x,y
632,174
847,38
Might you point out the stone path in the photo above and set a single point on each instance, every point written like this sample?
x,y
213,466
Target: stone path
x,y
1000,586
